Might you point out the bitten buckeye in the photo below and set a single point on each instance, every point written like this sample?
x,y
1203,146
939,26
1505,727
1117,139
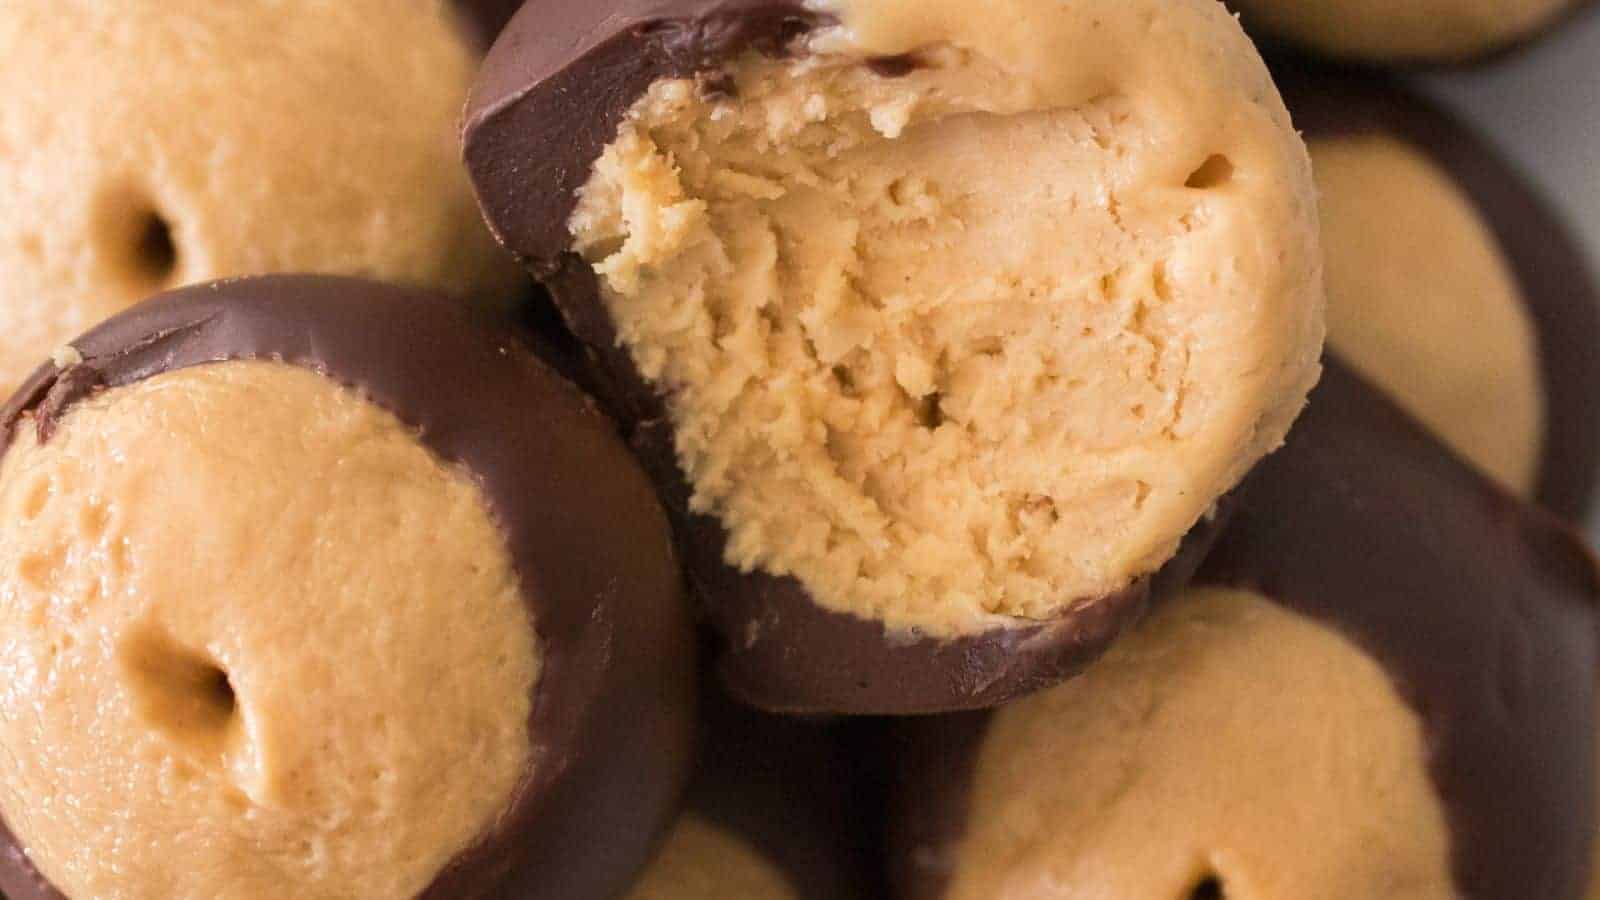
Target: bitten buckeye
x,y
943,323
322,588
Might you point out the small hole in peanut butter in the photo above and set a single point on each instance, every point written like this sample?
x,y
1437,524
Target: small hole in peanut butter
x,y
219,692
181,693
1215,172
135,242
1209,888
155,253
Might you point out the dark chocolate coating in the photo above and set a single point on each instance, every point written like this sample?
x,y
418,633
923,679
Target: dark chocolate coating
x,y
930,798
612,716
784,653
790,788
549,99
1551,269
1279,47
555,86
1481,608
486,18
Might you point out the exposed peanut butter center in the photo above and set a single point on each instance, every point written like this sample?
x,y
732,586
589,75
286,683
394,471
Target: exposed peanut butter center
x,y
1228,749
259,642
1421,300
978,342
147,144
1403,29
701,861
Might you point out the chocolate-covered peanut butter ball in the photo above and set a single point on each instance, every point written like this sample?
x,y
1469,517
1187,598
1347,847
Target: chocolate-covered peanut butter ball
x,y
1406,32
322,588
943,324
1382,685
147,144
1453,286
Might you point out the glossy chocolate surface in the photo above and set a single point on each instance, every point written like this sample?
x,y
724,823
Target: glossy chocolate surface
x,y
783,652
1555,277
793,788
486,18
611,722
1277,47
1481,608
556,84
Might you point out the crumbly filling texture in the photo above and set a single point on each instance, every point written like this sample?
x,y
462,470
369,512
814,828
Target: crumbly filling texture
x,y
965,345
1228,748
258,642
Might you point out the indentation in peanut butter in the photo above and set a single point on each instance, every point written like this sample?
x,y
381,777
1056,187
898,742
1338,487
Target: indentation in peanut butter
x,y
330,147
259,642
187,697
1229,748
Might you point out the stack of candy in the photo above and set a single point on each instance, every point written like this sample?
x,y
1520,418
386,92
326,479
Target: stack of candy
x,y
764,449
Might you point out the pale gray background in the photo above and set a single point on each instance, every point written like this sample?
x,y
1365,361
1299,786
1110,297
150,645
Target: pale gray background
x,y
1541,107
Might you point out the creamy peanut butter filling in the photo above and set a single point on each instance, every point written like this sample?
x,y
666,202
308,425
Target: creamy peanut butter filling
x,y
147,144
1229,748
259,642
1422,300
981,340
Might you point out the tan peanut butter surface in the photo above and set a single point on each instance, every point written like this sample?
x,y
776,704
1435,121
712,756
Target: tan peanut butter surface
x,y
1422,300
1230,746
979,339
147,144
259,642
